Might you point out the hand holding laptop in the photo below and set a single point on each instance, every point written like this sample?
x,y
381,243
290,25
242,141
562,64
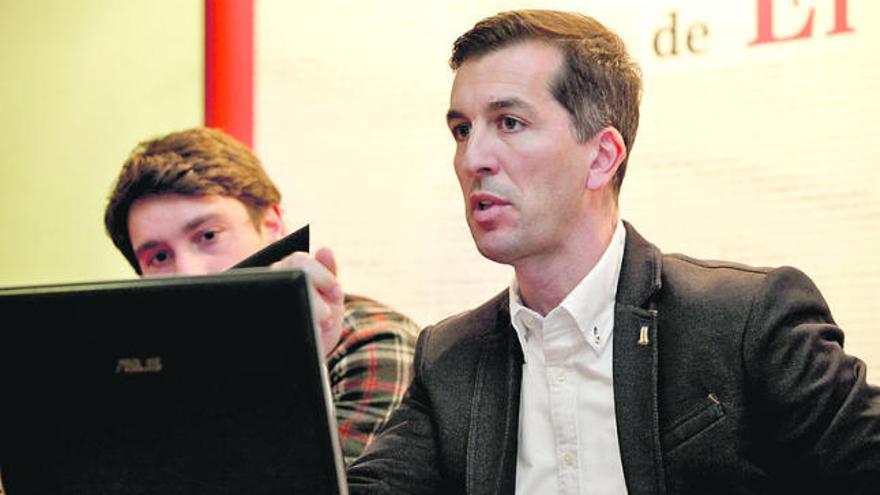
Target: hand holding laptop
x,y
327,297
326,294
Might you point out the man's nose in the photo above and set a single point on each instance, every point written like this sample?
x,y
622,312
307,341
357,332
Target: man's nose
x,y
480,155
186,263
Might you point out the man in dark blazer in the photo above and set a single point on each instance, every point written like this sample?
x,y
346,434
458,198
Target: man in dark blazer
x,y
607,366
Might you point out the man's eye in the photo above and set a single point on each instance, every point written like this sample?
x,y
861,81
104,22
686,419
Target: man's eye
x,y
209,235
461,131
511,123
158,258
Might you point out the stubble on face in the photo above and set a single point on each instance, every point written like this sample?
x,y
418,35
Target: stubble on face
x,y
533,163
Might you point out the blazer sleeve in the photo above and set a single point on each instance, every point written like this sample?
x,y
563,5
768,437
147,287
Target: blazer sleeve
x,y
403,458
812,398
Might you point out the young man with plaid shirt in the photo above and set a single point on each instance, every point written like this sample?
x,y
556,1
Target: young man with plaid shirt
x,y
198,201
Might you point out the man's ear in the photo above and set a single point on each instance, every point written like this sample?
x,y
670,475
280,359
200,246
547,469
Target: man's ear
x,y
272,223
610,153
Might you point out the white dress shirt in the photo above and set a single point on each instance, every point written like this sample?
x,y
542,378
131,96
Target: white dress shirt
x,y
567,428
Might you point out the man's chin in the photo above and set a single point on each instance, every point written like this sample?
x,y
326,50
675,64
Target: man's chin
x,y
494,250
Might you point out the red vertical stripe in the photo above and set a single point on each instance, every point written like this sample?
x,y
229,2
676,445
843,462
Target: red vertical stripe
x,y
229,67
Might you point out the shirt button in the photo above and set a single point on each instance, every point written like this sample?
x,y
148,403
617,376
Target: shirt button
x,y
567,459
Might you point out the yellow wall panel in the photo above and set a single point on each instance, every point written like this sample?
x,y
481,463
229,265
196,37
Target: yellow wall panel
x,y
82,83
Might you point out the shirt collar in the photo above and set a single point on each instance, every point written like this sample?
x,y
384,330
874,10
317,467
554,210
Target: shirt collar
x,y
518,314
586,303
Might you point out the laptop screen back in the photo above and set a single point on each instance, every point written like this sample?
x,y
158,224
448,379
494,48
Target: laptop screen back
x,y
211,384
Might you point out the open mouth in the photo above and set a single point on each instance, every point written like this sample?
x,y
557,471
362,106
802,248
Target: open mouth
x,y
483,202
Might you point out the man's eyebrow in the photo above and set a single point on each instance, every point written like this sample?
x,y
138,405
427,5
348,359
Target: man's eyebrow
x,y
494,106
512,102
145,247
454,114
195,222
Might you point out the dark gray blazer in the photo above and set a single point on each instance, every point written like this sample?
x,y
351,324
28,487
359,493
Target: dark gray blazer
x,y
742,387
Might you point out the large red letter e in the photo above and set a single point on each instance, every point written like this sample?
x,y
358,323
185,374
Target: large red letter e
x,y
765,23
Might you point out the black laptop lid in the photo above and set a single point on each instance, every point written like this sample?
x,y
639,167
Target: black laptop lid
x,y
212,384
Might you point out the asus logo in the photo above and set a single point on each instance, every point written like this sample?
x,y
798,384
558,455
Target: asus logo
x,y
138,365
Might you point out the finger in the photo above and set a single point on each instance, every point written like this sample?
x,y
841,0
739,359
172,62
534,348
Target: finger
x,y
326,258
319,275
323,314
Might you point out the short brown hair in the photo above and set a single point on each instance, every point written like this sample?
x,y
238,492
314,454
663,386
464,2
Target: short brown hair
x,y
194,162
600,84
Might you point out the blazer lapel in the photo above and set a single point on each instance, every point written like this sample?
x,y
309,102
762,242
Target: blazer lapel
x,y
494,425
494,421
636,340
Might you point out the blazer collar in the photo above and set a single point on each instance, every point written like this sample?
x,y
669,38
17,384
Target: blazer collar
x,y
640,272
494,421
636,340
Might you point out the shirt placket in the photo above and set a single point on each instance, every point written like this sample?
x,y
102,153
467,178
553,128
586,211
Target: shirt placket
x,y
561,384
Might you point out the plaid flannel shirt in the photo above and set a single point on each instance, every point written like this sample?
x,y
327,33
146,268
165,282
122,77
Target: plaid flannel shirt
x,y
370,369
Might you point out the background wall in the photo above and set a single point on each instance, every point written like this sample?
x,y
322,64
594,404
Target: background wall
x,y
761,153
758,152
81,83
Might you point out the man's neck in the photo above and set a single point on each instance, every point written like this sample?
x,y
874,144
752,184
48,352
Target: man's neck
x,y
544,281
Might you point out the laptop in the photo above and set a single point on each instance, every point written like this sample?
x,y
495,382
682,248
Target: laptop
x,y
192,385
